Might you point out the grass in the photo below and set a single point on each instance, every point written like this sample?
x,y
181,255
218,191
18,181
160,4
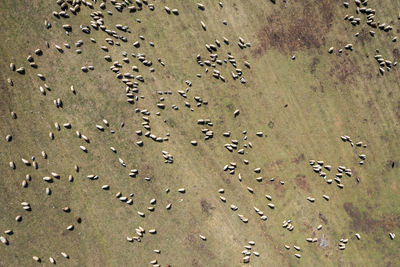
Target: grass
x,y
326,96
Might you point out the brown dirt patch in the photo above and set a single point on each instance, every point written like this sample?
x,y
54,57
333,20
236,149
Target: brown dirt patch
x,y
299,26
396,54
315,88
314,64
278,188
360,220
5,96
275,165
388,223
343,69
195,262
148,170
364,36
323,218
206,207
338,122
302,182
298,159
397,110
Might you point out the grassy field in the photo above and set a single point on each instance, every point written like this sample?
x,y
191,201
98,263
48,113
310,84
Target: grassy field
x,y
302,106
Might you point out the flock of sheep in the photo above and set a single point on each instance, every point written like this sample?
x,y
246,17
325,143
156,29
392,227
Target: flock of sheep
x,y
114,34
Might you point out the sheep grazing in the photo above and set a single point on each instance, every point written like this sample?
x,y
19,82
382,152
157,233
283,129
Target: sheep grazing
x,y
12,165
21,70
65,255
236,113
242,218
392,235
203,237
25,204
3,240
203,25
182,190
105,187
66,209
328,167
311,199
13,115
92,177
9,232
52,260
48,179
36,258
59,49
